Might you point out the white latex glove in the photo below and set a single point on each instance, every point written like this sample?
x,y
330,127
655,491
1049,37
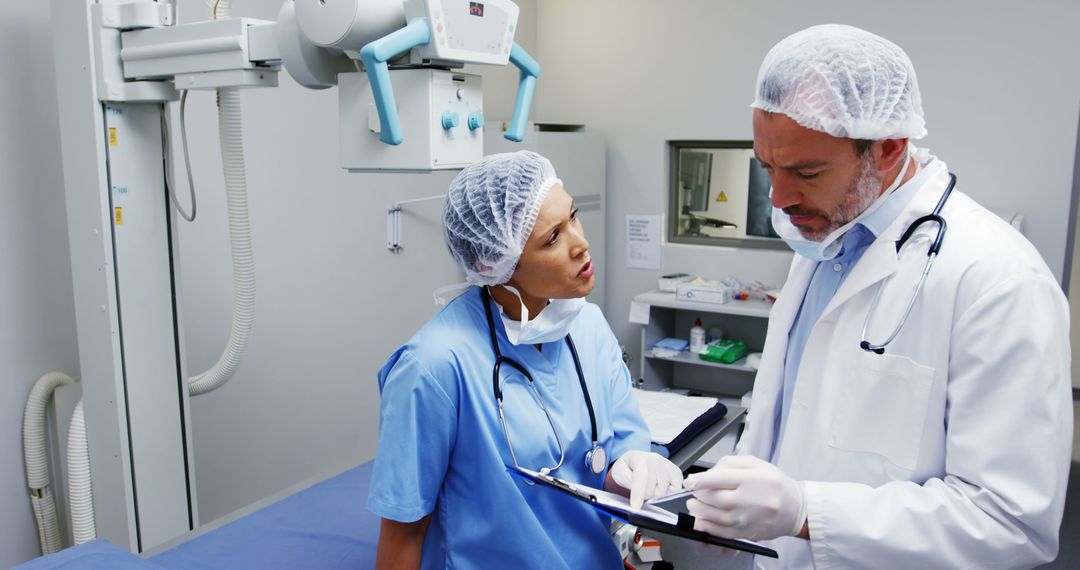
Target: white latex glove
x,y
745,497
647,475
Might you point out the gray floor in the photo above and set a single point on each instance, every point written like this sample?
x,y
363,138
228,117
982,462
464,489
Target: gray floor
x,y
694,557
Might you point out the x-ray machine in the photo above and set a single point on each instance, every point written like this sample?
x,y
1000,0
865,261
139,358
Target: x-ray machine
x,y
404,105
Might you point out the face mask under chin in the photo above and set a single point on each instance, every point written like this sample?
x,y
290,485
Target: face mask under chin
x,y
553,322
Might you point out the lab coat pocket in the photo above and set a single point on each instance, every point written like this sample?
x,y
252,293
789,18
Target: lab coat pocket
x,y
883,408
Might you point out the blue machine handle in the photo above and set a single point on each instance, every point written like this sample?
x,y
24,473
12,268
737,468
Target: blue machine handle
x,y
376,54
530,70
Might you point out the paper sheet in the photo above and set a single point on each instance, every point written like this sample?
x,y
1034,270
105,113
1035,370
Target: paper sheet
x,y
639,313
668,413
643,241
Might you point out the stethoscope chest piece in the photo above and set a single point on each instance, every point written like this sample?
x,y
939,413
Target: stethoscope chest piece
x,y
596,459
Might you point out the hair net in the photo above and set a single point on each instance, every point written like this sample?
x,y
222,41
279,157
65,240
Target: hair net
x,y
491,209
842,81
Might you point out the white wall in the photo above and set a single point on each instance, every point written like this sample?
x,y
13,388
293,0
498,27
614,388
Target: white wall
x,y
37,315
999,81
333,303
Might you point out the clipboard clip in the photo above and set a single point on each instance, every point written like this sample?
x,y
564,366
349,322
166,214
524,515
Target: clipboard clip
x,y
557,483
671,497
686,521
549,480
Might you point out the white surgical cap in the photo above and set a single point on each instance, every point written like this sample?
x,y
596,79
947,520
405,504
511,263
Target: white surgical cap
x,y
842,81
491,209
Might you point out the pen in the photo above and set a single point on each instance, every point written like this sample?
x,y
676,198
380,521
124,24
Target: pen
x,y
671,497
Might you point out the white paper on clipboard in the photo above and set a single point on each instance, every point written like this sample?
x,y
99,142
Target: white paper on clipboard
x,y
611,500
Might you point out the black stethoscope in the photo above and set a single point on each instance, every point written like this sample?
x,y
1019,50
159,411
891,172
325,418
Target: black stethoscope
x,y
596,457
932,253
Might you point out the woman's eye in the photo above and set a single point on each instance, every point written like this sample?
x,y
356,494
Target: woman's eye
x,y
573,214
554,238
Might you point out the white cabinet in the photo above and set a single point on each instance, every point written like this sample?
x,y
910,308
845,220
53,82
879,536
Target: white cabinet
x,y
671,317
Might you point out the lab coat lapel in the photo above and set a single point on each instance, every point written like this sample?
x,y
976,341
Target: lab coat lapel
x,y
787,306
770,377
878,263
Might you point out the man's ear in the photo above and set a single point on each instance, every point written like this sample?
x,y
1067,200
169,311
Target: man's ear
x,y
888,153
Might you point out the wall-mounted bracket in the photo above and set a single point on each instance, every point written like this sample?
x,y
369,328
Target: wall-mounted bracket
x,y
393,221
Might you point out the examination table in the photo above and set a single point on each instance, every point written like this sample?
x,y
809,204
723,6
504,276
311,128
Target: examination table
x,y
325,525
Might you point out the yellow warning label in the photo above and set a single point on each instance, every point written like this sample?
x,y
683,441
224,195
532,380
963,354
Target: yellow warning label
x,y
119,213
721,197
112,136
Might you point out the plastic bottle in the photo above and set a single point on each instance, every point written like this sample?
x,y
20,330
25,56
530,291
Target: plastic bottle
x,y
697,337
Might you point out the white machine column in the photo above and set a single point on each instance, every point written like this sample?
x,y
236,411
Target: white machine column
x,y
124,277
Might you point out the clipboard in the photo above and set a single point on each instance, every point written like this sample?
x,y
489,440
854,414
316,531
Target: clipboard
x,y
649,516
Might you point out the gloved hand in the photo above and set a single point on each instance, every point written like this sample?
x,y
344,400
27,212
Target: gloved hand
x,y
647,475
745,497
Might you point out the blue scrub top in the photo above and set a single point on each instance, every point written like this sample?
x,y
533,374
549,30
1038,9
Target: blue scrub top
x,y
442,449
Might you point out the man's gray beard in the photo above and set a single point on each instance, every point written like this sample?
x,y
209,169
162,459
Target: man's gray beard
x,y
862,192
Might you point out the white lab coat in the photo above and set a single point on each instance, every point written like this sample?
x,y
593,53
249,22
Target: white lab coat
x,y
952,449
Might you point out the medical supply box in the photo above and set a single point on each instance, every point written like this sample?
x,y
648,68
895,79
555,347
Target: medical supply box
x,y
668,283
703,293
725,351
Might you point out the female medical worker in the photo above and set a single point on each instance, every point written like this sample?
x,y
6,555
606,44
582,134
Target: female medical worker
x,y
440,480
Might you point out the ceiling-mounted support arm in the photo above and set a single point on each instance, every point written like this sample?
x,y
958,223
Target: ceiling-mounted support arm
x,y
375,55
530,70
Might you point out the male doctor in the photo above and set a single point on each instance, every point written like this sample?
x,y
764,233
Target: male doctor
x,y
949,449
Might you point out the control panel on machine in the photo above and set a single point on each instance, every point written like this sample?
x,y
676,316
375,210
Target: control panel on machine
x,y
464,30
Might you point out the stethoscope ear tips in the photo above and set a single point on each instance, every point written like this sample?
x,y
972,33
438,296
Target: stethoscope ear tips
x,y
865,345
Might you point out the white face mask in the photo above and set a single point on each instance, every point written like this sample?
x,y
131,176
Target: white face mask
x,y
553,322
829,247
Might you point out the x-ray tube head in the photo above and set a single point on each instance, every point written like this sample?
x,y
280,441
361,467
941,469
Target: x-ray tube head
x,y
348,24
312,66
